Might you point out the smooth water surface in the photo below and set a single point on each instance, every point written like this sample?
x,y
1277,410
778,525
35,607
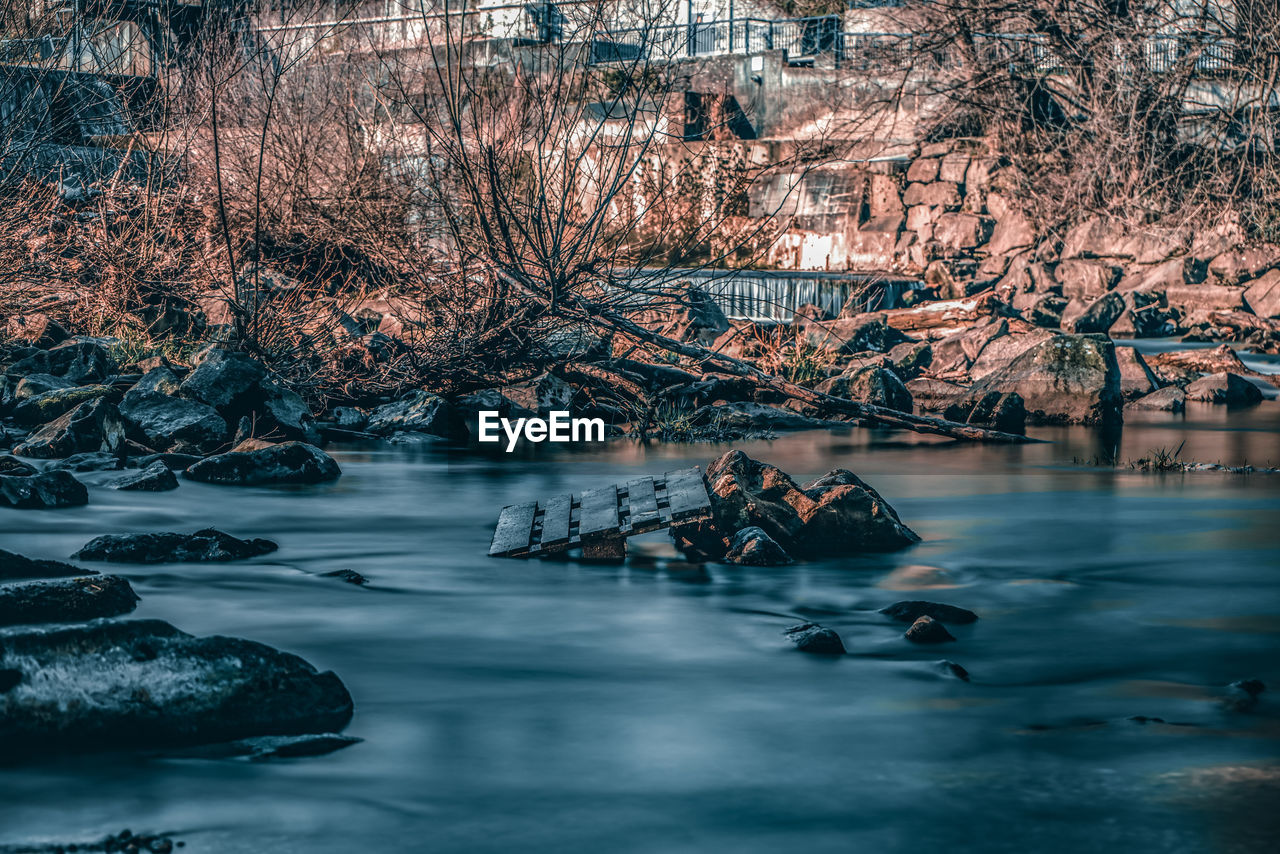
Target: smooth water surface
x,y
548,706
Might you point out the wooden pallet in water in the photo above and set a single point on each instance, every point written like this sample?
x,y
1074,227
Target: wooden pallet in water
x,y
599,520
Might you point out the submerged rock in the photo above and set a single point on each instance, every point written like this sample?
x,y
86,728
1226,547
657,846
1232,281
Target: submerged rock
x,y
87,461
810,637
42,491
64,601
208,544
753,547
290,462
14,565
156,477
950,668
14,467
143,683
1231,389
348,575
912,610
928,630
1243,695
267,747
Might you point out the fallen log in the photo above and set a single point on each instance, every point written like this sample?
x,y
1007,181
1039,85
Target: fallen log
x,y
736,367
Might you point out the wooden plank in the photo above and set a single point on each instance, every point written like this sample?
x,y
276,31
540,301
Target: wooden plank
x,y
687,495
515,527
599,515
644,505
555,522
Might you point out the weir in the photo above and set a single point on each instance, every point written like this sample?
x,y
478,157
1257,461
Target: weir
x,y
774,295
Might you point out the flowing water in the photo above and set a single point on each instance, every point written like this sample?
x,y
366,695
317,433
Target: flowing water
x,y
547,706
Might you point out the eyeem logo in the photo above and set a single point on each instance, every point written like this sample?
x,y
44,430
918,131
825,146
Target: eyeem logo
x,y
558,428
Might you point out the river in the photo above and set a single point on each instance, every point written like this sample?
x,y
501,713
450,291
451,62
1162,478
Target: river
x,y
655,707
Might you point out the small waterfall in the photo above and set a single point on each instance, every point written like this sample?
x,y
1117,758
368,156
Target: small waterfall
x,y
774,295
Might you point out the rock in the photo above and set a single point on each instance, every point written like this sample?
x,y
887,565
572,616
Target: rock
x,y
1242,695
1220,359
693,317
78,360
348,575
1263,296
51,404
834,515
1003,411
168,423
956,352
1013,231
923,171
874,385
1197,303
16,566
1086,280
64,601
1094,238
284,413
142,683
418,412
1168,399
812,638
37,384
157,477
46,490
927,630
208,544
14,467
87,461
1136,378
543,394
1241,265
910,359
1231,389
489,400
856,334
350,418
958,232
88,427
175,462
911,610
267,747
939,194
289,462
950,668
1066,379
753,547
230,382
999,351
745,418
1097,316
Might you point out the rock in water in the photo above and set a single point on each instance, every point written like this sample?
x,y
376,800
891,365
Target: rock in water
x,y
928,630
42,491
64,601
16,566
810,637
1168,399
1068,379
143,683
154,478
85,428
206,545
14,467
348,575
418,412
834,515
753,547
1228,388
950,668
910,611
51,404
290,462
169,423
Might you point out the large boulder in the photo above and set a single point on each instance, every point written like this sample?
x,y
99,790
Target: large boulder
x,y
46,490
1263,295
142,683
1231,389
64,600
1098,315
208,544
90,426
875,385
836,514
41,408
1071,379
289,462
164,422
226,380
1240,265
419,412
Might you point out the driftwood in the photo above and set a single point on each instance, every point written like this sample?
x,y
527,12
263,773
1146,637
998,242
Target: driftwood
x,y
864,411
946,315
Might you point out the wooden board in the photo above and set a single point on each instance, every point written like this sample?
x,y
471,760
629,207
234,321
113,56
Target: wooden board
x,y
642,501
601,516
515,527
